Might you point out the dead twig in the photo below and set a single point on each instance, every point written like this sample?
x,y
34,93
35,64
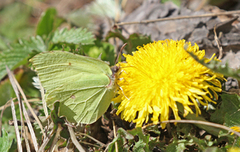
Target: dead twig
x,y
115,135
8,104
179,17
74,139
218,43
198,122
97,141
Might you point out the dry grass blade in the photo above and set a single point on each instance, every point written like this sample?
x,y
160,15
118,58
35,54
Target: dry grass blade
x,y
11,78
74,139
8,103
29,107
218,43
19,145
97,141
45,142
34,139
115,135
13,83
22,108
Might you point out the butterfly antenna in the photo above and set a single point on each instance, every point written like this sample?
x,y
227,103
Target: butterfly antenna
x,y
123,46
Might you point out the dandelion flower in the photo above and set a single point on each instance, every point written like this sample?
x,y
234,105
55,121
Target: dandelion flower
x,y
235,128
159,75
234,149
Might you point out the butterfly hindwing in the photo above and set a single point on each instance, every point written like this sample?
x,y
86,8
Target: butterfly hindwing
x,y
81,84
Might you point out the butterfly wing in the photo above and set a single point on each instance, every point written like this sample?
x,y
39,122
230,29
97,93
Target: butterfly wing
x,y
83,85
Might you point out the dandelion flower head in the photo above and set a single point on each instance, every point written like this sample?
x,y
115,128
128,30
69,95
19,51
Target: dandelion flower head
x,y
235,128
159,75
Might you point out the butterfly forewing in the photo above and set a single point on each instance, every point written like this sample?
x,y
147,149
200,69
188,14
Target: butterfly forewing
x,y
79,83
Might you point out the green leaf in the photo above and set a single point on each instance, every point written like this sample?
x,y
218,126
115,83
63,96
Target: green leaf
x,y
19,53
229,111
45,23
213,149
145,138
105,49
153,129
84,86
125,134
139,146
120,142
15,19
6,91
178,145
121,136
73,36
133,41
172,147
193,116
5,142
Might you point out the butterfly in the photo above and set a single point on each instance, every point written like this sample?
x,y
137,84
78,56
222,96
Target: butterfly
x,y
84,86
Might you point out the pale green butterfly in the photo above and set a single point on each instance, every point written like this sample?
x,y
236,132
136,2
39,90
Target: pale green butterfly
x,y
84,86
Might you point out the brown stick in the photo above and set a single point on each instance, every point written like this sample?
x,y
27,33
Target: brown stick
x,y
180,17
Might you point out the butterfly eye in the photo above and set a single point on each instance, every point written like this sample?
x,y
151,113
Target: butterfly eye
x,y
115,69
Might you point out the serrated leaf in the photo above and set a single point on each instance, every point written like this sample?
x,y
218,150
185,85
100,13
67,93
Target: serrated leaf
x,y
144,138
45,24
73,36
155,143
19,53
178,145
5,143
229,111
139,146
